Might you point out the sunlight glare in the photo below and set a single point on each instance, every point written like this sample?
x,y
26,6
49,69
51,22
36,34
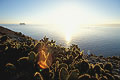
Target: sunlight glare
x,y
69,16
68,38
68,32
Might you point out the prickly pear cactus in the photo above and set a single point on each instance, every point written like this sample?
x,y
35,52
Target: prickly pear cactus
x,y
51,75
10,70
32,56
22,61
84,66
25,65
38,76
108,66
97,69
74,74
4,38
63,74
63,65
84,77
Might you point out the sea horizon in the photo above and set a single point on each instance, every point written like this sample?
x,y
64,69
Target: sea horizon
x,y
96,40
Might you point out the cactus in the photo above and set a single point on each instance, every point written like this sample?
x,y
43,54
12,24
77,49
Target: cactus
x,y
74,74
71,66
84,77
29,42
108,66
69,59
106,71
91,70
45,39
77,65
63,74
38,46
4,38
45,73
3,47
109,76
94,78
115,58
32,56
51,75
97,69
25,65
53,41
103,78
10,70
62,57
56,65
101,65
116,77
83,66
63,65
81,54
38,76
58,59
10,66
102,71
96,75
73,53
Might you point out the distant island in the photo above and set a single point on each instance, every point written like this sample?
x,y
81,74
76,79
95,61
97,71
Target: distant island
x,y
22,24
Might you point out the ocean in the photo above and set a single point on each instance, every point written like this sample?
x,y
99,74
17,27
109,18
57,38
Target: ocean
x,y
99,40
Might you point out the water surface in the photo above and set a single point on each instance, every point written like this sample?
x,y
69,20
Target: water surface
x,y
100,40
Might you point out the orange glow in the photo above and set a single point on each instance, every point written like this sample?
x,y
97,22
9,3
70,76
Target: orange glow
x,y
45,59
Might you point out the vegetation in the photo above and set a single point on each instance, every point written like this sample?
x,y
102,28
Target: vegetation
x,y
47,61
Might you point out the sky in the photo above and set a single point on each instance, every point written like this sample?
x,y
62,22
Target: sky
x,y
60,11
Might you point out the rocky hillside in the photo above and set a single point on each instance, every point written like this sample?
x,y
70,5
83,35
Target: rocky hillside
x,y
23,58
18,36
